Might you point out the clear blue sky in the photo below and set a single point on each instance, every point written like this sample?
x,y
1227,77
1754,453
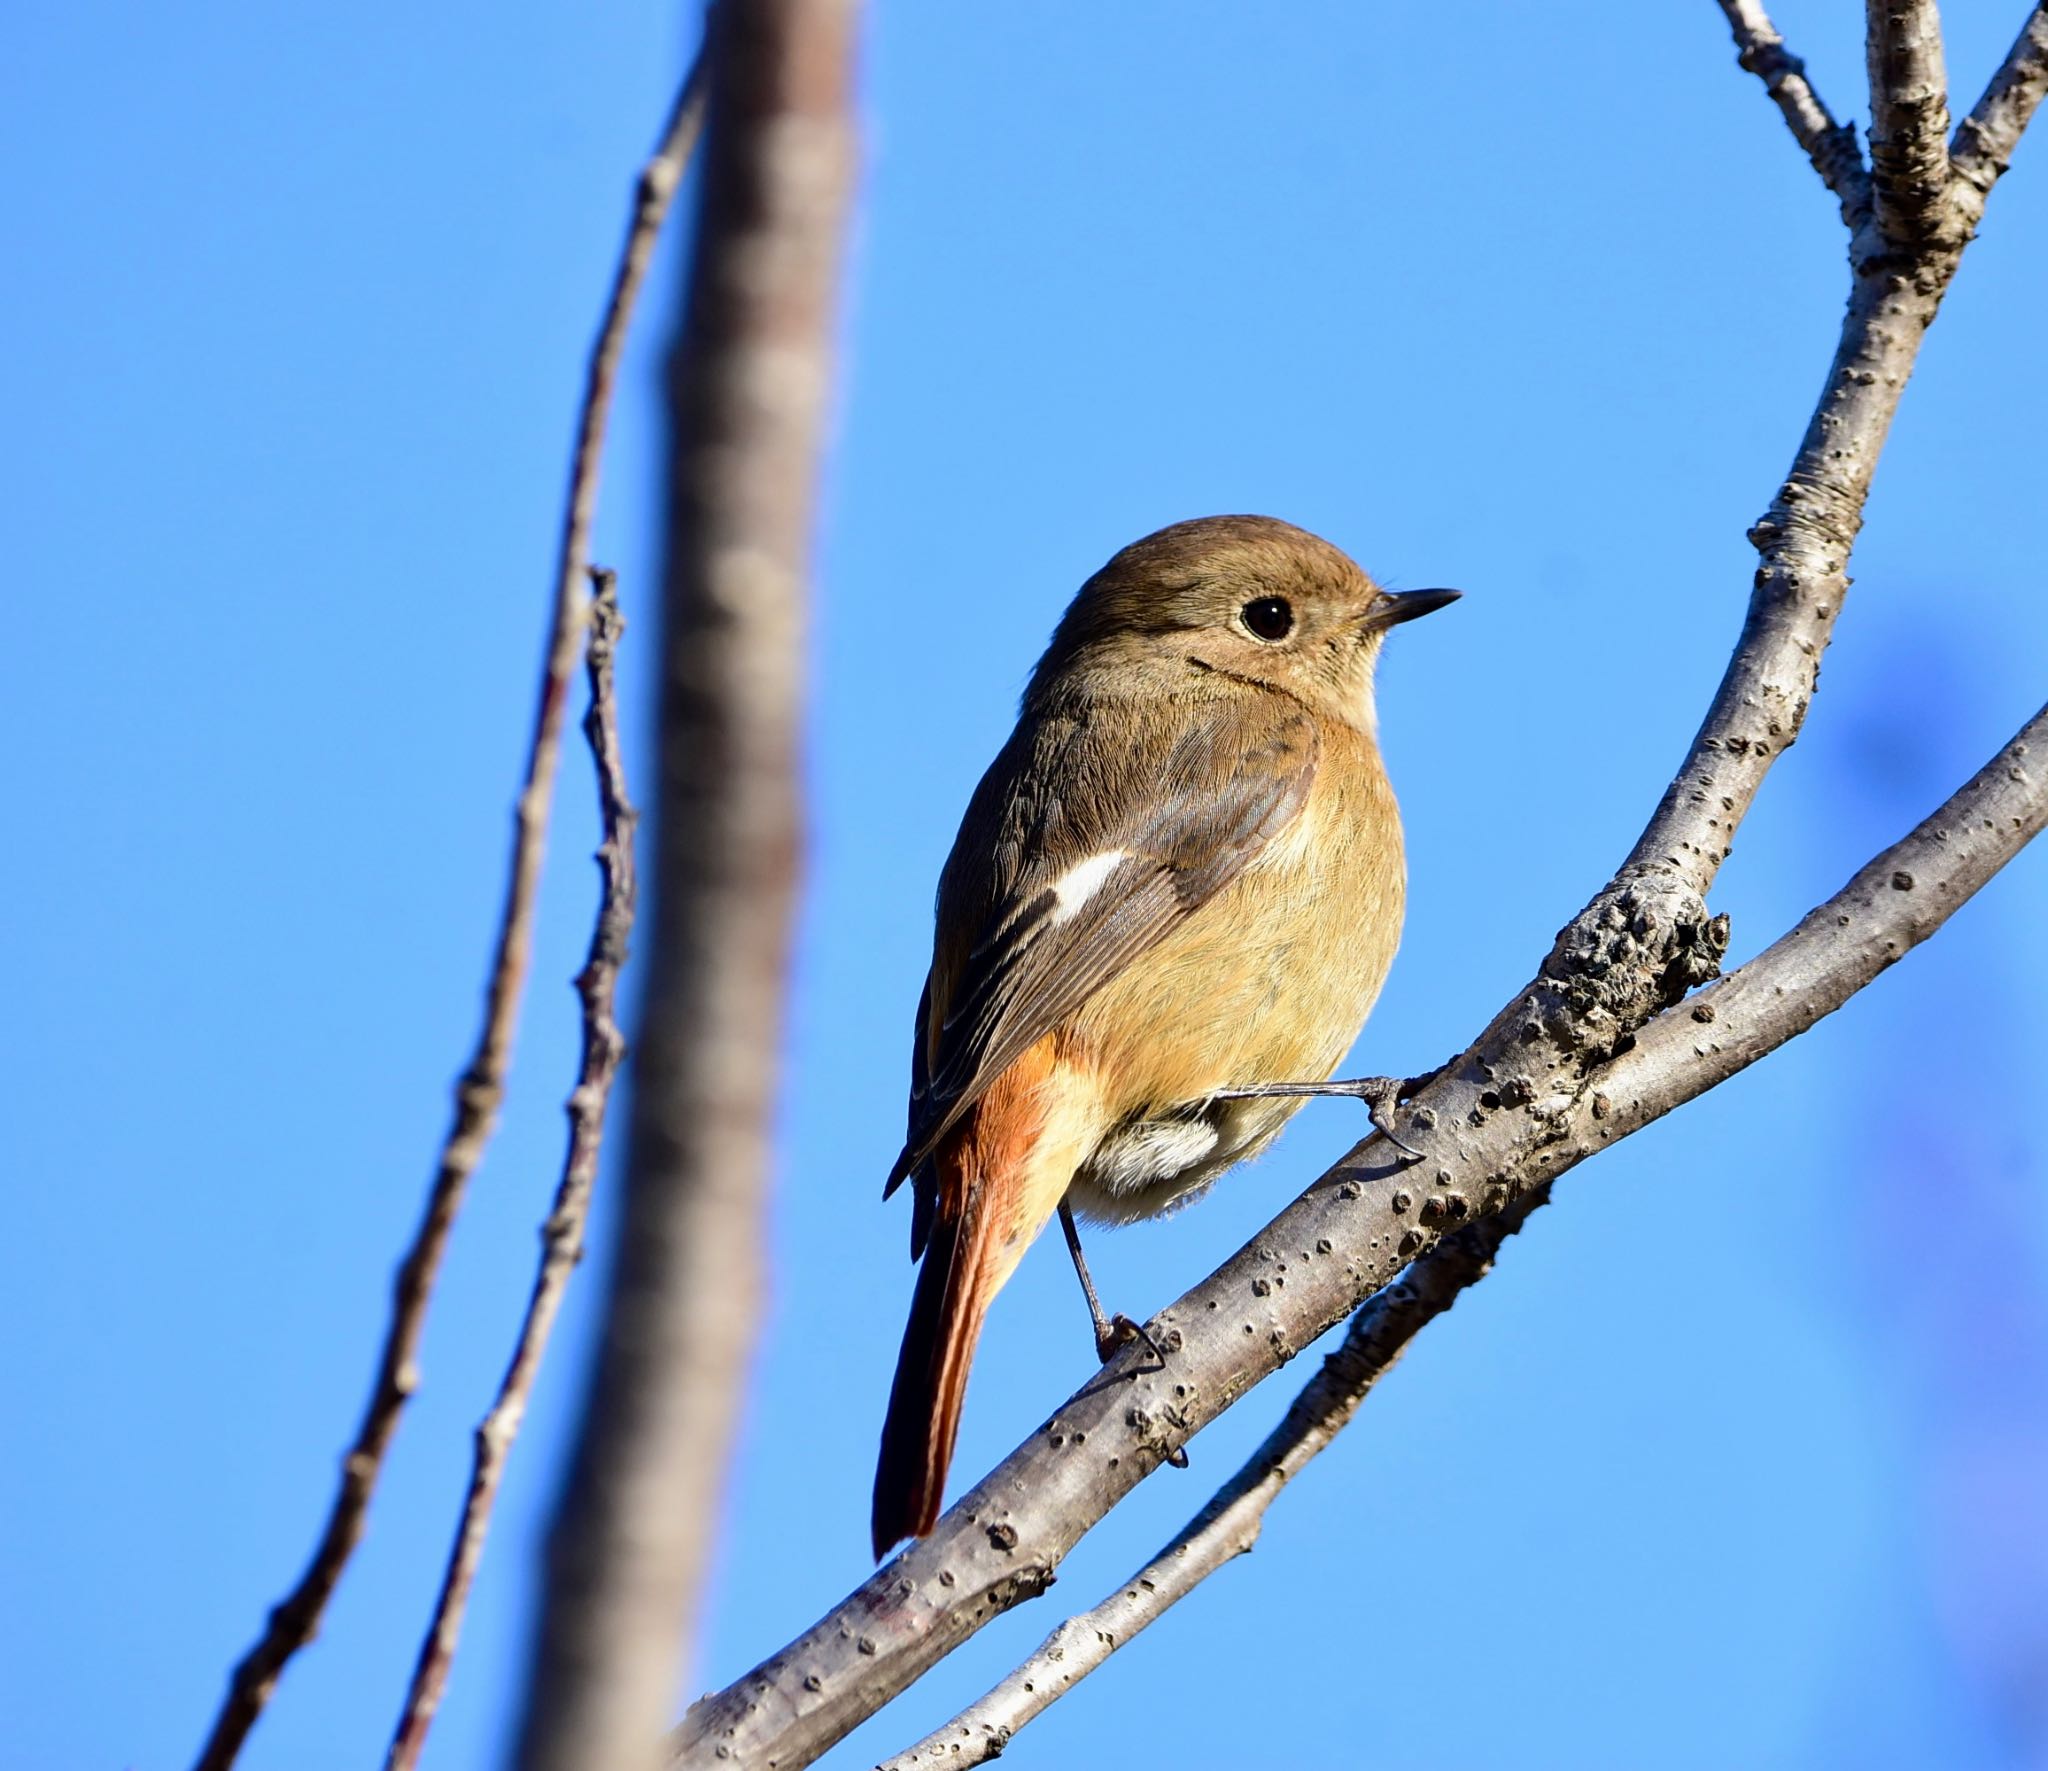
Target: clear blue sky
x,y
1740,1457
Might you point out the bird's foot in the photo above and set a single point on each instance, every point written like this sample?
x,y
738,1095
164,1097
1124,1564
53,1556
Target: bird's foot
x,y
1381,1095
1114,1333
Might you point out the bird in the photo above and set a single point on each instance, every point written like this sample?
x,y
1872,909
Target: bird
x,y
1172,902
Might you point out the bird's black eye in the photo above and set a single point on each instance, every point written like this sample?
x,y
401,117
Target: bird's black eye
x,y
1268,617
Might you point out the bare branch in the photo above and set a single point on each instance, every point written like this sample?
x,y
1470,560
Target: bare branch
x,y
1229,1525
1911,183
1805,537
747,387
1894,903
295,1619
1831,146
1985,139
562,1235
1493,1137
1517,1108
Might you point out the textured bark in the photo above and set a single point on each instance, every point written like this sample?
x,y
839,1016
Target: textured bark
x,y
1912,190
1556,1076
746,391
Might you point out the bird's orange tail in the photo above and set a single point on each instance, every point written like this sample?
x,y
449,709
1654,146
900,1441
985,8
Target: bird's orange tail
x,y
931,1374
1000,1174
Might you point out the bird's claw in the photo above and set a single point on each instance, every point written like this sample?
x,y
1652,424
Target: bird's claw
x,y
1118,1332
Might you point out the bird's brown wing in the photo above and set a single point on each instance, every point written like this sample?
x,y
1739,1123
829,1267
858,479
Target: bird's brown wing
x,y
1094,834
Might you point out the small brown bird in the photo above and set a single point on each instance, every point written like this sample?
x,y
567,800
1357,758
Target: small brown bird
x,y
1181,879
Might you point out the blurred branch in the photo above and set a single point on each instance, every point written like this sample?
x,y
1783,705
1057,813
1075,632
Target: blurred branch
x,y
1831,146
746,390
1229,1525
1526,1101
562,1235
296,1618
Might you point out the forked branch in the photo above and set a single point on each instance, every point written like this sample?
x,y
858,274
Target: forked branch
x,y
1893,904
1537,1092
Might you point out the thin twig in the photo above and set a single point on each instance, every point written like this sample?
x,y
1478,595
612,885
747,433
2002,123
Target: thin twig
x,y
1912,187
1831,146
1985,139
1229,1525
1520,1106
293,1622
746,398
562,1235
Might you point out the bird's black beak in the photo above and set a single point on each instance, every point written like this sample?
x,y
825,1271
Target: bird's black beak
x,y
1397,606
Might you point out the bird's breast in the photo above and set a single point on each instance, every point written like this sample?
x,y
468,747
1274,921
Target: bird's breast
x,y
1270,981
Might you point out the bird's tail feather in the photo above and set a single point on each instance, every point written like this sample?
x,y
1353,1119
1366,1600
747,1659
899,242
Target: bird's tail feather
x,y
946,1314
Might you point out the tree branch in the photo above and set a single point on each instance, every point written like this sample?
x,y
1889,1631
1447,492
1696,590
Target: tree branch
x,y
1911,183
1829,145
1805,537
562,1235
746,392
296,1618
1229,1525
981,1559
1516,1109
1985,139
1892,905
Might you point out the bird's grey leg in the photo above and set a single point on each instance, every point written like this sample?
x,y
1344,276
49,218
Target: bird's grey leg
x,y
1111,1332
1381,1095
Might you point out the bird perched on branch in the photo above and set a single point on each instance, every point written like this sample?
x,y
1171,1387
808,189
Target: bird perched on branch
x,y
1170,906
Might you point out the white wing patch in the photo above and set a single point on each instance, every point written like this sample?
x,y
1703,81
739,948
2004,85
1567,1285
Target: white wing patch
x,y
1082,881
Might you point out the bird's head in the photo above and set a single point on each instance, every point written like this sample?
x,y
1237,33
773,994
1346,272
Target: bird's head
x,y
1244,599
